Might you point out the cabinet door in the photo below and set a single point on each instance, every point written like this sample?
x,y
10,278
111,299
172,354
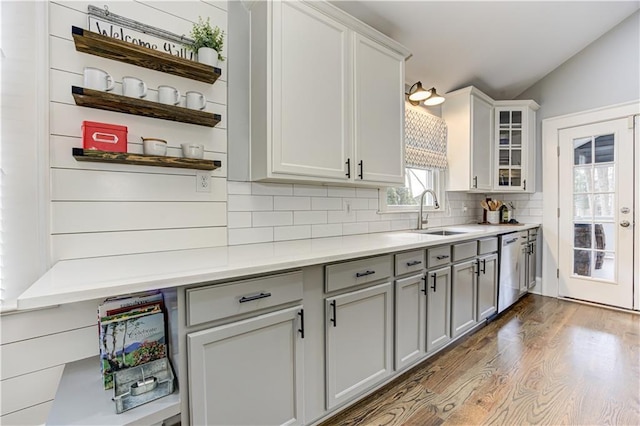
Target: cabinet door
x,y
410,328
378,113
463,297
248,372
438,308
481,134
311,107
531,265
358,341
487,286
523,264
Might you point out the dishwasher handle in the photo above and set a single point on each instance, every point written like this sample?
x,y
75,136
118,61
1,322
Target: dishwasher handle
x,y
511,241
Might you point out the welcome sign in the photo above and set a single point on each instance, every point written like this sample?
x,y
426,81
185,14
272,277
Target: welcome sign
x,y
119,27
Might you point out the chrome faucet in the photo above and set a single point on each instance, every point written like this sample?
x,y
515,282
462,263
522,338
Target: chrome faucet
x,y
421,223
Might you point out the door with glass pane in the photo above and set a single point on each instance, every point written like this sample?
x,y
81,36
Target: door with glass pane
x,y
510,123
596,213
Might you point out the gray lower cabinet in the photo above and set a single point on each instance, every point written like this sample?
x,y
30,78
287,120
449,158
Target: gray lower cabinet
x,y
438,307
411,322
358,341
487,286
248,372
463,297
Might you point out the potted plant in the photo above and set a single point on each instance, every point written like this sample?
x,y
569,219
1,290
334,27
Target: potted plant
x,y
207,42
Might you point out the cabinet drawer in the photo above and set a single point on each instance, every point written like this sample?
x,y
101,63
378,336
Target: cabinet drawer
x,y
438,256
215,302
409,262
487,245
349,274
464,250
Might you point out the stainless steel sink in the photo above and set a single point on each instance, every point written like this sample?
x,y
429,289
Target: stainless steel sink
x,y
442,232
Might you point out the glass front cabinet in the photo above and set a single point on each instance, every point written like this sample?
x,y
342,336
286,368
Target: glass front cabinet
x,y
515,146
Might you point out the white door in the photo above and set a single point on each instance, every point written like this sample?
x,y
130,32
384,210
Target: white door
x,y
596,231
379,113
248,372
311,93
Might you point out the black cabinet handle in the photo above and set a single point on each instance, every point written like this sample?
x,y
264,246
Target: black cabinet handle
x,y
484,266
524,185
365,273
433,287
414,263
334,319
360,164
442,257
478,267
424,289
254,297
301,329
348,163
475,181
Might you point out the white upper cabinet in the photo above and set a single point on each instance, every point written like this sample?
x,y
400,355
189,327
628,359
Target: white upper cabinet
x,y
469,116
515,154
327,98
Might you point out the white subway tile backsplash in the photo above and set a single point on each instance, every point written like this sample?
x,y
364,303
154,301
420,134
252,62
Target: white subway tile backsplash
x,y
355,228
380,226
366,193
291,203
272,218
373,204
239,220
329,230
243,203
358,203
341,216
284,233
339,191
238,188
271,189
367,216
311,217
250,235
398,225
310,190
320,203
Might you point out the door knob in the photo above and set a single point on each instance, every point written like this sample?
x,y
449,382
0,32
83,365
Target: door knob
x,y
625,223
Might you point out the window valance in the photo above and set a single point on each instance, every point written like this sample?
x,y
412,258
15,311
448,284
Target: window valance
x,y
425,137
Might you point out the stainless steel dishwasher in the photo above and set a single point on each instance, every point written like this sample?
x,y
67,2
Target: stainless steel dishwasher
x,y
511,269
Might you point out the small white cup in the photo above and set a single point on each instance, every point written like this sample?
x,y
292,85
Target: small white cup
x,y
196,100
151,146
97,79
192,150
168,95
134,87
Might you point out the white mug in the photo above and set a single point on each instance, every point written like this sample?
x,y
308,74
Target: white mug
x,y
168,95
196,100
95,78
192,150
134,87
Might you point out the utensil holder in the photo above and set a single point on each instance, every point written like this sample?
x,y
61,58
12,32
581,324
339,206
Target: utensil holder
x,y
493,216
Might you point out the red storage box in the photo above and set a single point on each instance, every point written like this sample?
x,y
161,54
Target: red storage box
x,y
104,137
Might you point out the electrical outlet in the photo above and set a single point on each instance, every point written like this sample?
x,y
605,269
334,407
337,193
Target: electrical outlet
x,y
347,207
203,181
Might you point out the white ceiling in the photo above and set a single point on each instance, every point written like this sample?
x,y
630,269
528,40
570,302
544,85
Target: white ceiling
x,y
501,47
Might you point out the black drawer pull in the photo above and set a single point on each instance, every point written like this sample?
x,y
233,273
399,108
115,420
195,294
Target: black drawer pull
x,y
484,266
424,290
334,320
442,257
434,276
414,263
477,268
361,169
364,274
254,297
301,329
348,163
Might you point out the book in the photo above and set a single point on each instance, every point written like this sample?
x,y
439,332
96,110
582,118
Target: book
x,y
133,334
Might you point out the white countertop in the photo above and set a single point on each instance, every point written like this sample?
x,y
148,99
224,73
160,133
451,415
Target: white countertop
x,y
77,280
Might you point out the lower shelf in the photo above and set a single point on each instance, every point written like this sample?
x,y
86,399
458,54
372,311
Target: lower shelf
x,y
81,400
144,160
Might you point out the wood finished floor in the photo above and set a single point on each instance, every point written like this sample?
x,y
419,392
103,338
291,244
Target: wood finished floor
x,y
545,361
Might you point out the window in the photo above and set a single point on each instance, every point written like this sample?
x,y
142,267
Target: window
x,y
407,197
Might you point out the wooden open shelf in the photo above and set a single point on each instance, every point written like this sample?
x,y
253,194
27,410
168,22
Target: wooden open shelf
x,y
111,48
111,102
144,160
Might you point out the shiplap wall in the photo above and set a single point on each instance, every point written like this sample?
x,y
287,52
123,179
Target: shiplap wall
x,y
102,209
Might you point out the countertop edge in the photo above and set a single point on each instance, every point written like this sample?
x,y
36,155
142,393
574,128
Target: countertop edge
x,y
49,290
